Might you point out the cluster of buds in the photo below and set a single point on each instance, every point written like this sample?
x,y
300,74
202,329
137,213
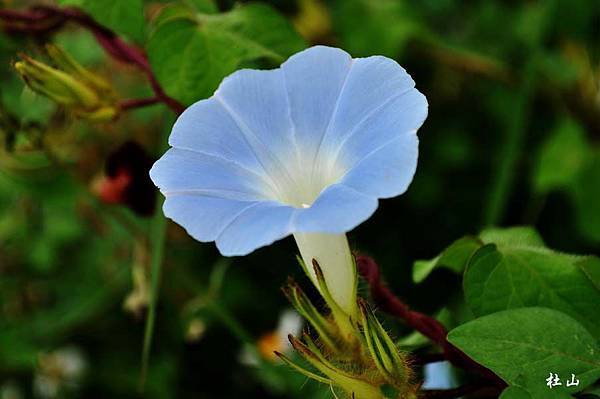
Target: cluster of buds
x,y
69,84
366,364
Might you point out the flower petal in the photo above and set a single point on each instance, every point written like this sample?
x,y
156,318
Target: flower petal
x,y
254,227
338,209
314,80
400,115
184,171
257,101
371,83
386,171
203,217
207,127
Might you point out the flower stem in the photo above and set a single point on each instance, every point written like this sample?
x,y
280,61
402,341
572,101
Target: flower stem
x,y
512,149
157,242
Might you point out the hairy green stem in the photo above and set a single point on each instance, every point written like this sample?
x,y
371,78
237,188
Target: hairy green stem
x,y
157,243
512,148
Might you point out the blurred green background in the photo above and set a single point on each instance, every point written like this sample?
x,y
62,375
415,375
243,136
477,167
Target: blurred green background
x,y
512,138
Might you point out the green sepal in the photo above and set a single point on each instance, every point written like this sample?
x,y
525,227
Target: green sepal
x,y
342,319
55,84
304,306
351,384
386,356
302,370
69,65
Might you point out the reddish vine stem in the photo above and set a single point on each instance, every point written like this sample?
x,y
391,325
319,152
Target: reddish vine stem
x,y
133,103
41,19
426,325
427,358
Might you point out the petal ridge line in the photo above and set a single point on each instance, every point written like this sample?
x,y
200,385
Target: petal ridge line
x,y
227,160
234,218
368,116
412,131
247,131
332,117
228,195
244,210
292,123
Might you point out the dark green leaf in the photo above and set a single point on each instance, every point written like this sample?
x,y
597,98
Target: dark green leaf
x,y
514,392
590,265
520,236
499,278
204,6
123,16
523,346
190,56
454,257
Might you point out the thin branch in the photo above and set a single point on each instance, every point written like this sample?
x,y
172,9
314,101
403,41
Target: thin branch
x,y
32,16
133,103
41,19
426,325
33,23
157,242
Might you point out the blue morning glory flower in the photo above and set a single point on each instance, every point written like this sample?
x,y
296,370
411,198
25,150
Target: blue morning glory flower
x,y
305,149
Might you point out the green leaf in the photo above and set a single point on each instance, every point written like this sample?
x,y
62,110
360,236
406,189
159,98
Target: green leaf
x,y
590,266
82,46
593,391
499,278
561,157
519,236
122,16
191,54
205,6
514,392
454,258
523,346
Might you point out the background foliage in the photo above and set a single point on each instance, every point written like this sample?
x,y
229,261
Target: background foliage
x,y
512,139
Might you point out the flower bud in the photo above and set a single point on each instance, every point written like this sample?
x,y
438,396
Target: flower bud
x,y
69,84
67,64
